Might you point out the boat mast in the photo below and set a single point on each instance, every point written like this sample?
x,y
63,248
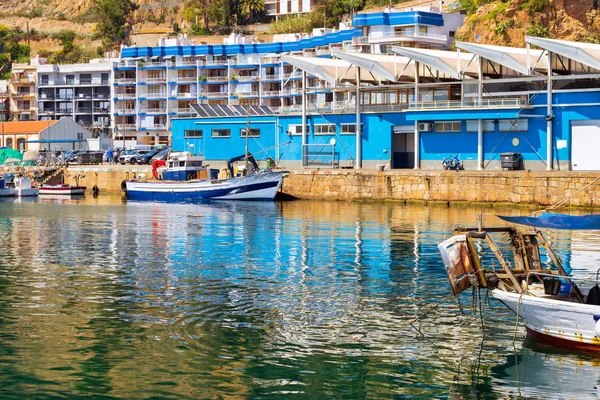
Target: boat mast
x,y
247,132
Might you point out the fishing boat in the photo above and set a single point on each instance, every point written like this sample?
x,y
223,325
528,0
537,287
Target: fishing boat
x,y
185,178
551,305
62,190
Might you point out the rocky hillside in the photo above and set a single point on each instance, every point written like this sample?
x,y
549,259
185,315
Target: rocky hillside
x,y
507,22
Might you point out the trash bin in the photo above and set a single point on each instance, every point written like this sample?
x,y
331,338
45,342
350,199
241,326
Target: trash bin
x,y
511,161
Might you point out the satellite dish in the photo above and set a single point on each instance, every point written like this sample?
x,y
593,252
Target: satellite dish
x,y
477,37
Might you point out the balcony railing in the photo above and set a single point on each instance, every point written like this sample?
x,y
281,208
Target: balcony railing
x,y
271,93
246,78
157,126
44,96
17,81
125,111
43,110
191,79
216,94
64,110
270,60
339,106
216,79
126,96
273,77
152,64
213,63
154,95
182,110
186,95
246,94
154,80
185,63
126,127
125,80
101,110
155,111
100,124
84,110
23,94
457,104
296,74
64,97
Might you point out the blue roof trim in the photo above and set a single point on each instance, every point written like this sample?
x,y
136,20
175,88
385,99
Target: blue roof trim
x,y
234,49
399,18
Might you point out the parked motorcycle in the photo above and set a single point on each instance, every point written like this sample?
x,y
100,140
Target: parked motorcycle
x,y
452,162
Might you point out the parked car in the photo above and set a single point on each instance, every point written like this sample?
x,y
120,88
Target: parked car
x,y
71,156
146,158
128,156
161,155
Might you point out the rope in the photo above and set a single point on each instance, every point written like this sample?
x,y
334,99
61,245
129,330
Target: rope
x,y
517,322
564,200
439,303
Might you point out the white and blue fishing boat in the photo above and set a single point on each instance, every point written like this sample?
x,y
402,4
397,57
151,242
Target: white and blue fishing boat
x,y
186,179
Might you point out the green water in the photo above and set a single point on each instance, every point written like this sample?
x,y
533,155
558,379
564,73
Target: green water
x,y
104,299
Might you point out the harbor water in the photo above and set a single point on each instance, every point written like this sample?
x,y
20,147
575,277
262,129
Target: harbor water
x,y
101,298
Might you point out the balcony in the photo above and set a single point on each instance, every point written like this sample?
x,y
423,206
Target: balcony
x,y
245,94
212,95
157,126
126,127
44,96
191,63
83,96
101,96
125,111
101,124
246,78
185,96
459,105
186,79
126,96
270,60
101,110
23,94
83,110
216,79
213,63
44,111
154,95
274,77
125,81
338,106
288,92
154,80
272,93
152,64
323,52
21,81
154,111
64,111
408,35
182,111
64,97
293,75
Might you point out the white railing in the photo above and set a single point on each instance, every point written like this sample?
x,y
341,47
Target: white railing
x,y
154,80
185,95
271,93
457,104
182,111
127,63
246,94
270,60
157,126
287,92
154,95
246,78
216,79
152,64
211,63
323,52
274,77
16,81
126,96
97,124
185,63
215,94
296,74
125,111
126,127
340,106
186,79
125,80
154,110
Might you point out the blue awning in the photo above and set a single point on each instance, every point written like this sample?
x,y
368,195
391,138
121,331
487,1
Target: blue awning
x,y
557,221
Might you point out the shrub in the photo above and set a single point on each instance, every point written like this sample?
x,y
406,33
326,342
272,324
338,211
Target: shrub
x,y
537,30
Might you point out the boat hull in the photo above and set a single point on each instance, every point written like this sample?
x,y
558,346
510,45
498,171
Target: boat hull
x,y
26,192
263,186
7,192
63,190
561,323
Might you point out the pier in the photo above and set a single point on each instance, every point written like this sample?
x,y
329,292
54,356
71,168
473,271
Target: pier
x,y
504,187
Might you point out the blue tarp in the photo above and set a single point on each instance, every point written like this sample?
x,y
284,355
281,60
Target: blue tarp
x,y
558,221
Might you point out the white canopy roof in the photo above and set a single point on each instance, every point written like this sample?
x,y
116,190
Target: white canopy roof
x,y
510,57
451,63
584,53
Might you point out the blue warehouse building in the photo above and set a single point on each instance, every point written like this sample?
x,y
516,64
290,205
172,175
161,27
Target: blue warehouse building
x,y
415,107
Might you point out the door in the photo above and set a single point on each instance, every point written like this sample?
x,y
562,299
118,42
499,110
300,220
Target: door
x,y
585,142
403,144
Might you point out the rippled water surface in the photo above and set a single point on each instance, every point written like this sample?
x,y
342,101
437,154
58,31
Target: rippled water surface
x,y
107,299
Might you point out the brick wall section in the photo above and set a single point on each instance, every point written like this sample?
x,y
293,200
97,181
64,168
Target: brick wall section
x,y
542,188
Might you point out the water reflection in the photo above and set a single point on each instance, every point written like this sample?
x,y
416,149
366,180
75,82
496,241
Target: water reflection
x,y
128,300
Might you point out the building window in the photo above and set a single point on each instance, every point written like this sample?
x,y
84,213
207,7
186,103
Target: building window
x,y
21,144
323,129
349,129
192,133
448,126
294,130
513,125
451,33
488,126
79,135
221,133
9,143
254,133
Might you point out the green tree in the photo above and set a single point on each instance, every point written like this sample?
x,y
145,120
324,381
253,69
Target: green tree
x,y
204,9
252,7
113,15
66,38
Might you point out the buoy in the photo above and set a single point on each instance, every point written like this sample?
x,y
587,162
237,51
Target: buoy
x,y
597,328
124,186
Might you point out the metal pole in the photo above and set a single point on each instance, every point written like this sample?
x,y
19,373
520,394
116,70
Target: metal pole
x,y
358,124
247,133
549,117
479,121
417,137
304,101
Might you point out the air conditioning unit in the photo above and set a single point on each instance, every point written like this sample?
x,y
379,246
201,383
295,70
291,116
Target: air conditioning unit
x,y
425,127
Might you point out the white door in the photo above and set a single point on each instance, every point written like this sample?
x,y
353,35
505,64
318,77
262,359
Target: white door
x,y
585,142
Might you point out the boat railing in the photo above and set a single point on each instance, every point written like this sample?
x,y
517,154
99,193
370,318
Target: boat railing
x,y
566,277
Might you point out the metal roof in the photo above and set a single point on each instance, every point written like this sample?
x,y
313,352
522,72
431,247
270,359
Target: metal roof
x,y
367,63
517,59
451,63
312,66
223,110
584,53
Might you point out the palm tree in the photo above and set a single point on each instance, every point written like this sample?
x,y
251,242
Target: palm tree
x,y
251,7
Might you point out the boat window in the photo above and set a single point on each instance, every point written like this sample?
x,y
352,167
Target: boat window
x,y
194,163
221,133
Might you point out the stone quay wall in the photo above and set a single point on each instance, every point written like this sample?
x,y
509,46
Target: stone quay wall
x,y
516,187
513,187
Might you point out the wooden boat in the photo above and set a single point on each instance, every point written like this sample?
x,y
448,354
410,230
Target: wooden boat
x,y
62,190
552,307
184,178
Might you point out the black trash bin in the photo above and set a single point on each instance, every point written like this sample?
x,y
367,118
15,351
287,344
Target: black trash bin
x,y
511,161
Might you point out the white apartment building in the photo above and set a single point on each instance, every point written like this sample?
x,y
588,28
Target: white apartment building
x,y
79,91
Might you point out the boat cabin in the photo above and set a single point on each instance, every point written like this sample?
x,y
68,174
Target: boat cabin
x,y
184,167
